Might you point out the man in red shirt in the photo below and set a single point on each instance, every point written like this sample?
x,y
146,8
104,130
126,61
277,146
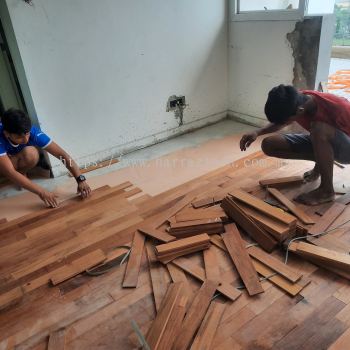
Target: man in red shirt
x,y
325,116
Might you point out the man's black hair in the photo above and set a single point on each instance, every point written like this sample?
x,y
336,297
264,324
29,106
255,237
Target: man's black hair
x,y
16,121
282,103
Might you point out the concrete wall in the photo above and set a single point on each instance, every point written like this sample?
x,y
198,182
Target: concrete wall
x,y
260,57
263,54
100,72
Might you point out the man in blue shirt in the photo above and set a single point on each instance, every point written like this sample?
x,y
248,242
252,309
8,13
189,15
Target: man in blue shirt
x,y
19,141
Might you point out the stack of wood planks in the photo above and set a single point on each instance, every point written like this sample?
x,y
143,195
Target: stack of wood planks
x,y
183,233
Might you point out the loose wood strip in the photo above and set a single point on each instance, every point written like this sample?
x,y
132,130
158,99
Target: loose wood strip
x,y
159,278
77,266
338,260
207,201
165,259
133,266
292,289
181,244
238,253
201,214
277,229
178,275
275,264
291,206
195,315
57,340
211,264
342,273
282,181
155,333
199,273
249,226
194,224
207,331
157,234
327,219
264,207
10,297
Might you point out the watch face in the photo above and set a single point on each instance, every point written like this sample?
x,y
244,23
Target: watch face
x,y
81,178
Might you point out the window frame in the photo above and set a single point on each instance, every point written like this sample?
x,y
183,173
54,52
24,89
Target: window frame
x,y
269,15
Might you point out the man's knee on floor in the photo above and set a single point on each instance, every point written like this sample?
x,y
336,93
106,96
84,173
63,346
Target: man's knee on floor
x,y
29,157
267,146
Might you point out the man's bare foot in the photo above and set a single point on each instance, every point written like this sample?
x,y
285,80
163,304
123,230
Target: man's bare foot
x,y
315,197
312,175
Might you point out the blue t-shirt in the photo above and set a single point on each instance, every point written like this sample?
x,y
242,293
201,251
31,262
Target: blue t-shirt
x,y
37,138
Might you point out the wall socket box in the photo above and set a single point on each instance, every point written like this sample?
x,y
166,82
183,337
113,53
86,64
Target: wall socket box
x,y
176,101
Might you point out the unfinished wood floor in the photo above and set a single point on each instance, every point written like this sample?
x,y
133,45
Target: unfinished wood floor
x,y
97,312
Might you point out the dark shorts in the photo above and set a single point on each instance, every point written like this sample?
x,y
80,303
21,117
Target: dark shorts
x,y
301,143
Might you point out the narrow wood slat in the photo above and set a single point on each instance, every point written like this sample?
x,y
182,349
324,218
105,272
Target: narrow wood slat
x,y
155,333
275,264
178,275
327,219
207,201
264,207
277,229
133,266
159,278
345,199
249,226
195,315
201,214
181,244
103,164
189,224
298,212
199,273
57,340
157,234
211,264
238,253
165,259
282,181
292,289
335,259
342,343
77,266
207,331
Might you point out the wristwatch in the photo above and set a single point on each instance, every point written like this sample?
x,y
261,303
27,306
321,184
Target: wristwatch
x,y
80,178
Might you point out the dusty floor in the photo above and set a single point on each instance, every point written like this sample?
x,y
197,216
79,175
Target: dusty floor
x,y
154,169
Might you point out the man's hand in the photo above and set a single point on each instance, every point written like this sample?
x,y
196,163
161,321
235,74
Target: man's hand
x,y
247,140
49,199
84,189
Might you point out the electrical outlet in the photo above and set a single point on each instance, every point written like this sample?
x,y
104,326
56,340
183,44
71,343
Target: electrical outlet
x,y
175,102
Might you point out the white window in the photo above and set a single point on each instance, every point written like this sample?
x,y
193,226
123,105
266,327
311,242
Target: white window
x,y
245,10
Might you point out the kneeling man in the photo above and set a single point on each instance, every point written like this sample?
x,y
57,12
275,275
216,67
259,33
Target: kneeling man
x,y
19,141
325,116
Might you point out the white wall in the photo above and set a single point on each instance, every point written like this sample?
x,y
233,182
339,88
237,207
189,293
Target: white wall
x,y
260,57
316,7
100,72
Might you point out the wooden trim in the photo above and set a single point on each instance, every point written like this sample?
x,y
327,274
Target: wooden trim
x,y
157,234
211,264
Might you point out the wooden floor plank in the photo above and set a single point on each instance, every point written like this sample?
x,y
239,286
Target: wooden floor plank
x,y
195,315
134,262
159,277
206,333
57,340
236,248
